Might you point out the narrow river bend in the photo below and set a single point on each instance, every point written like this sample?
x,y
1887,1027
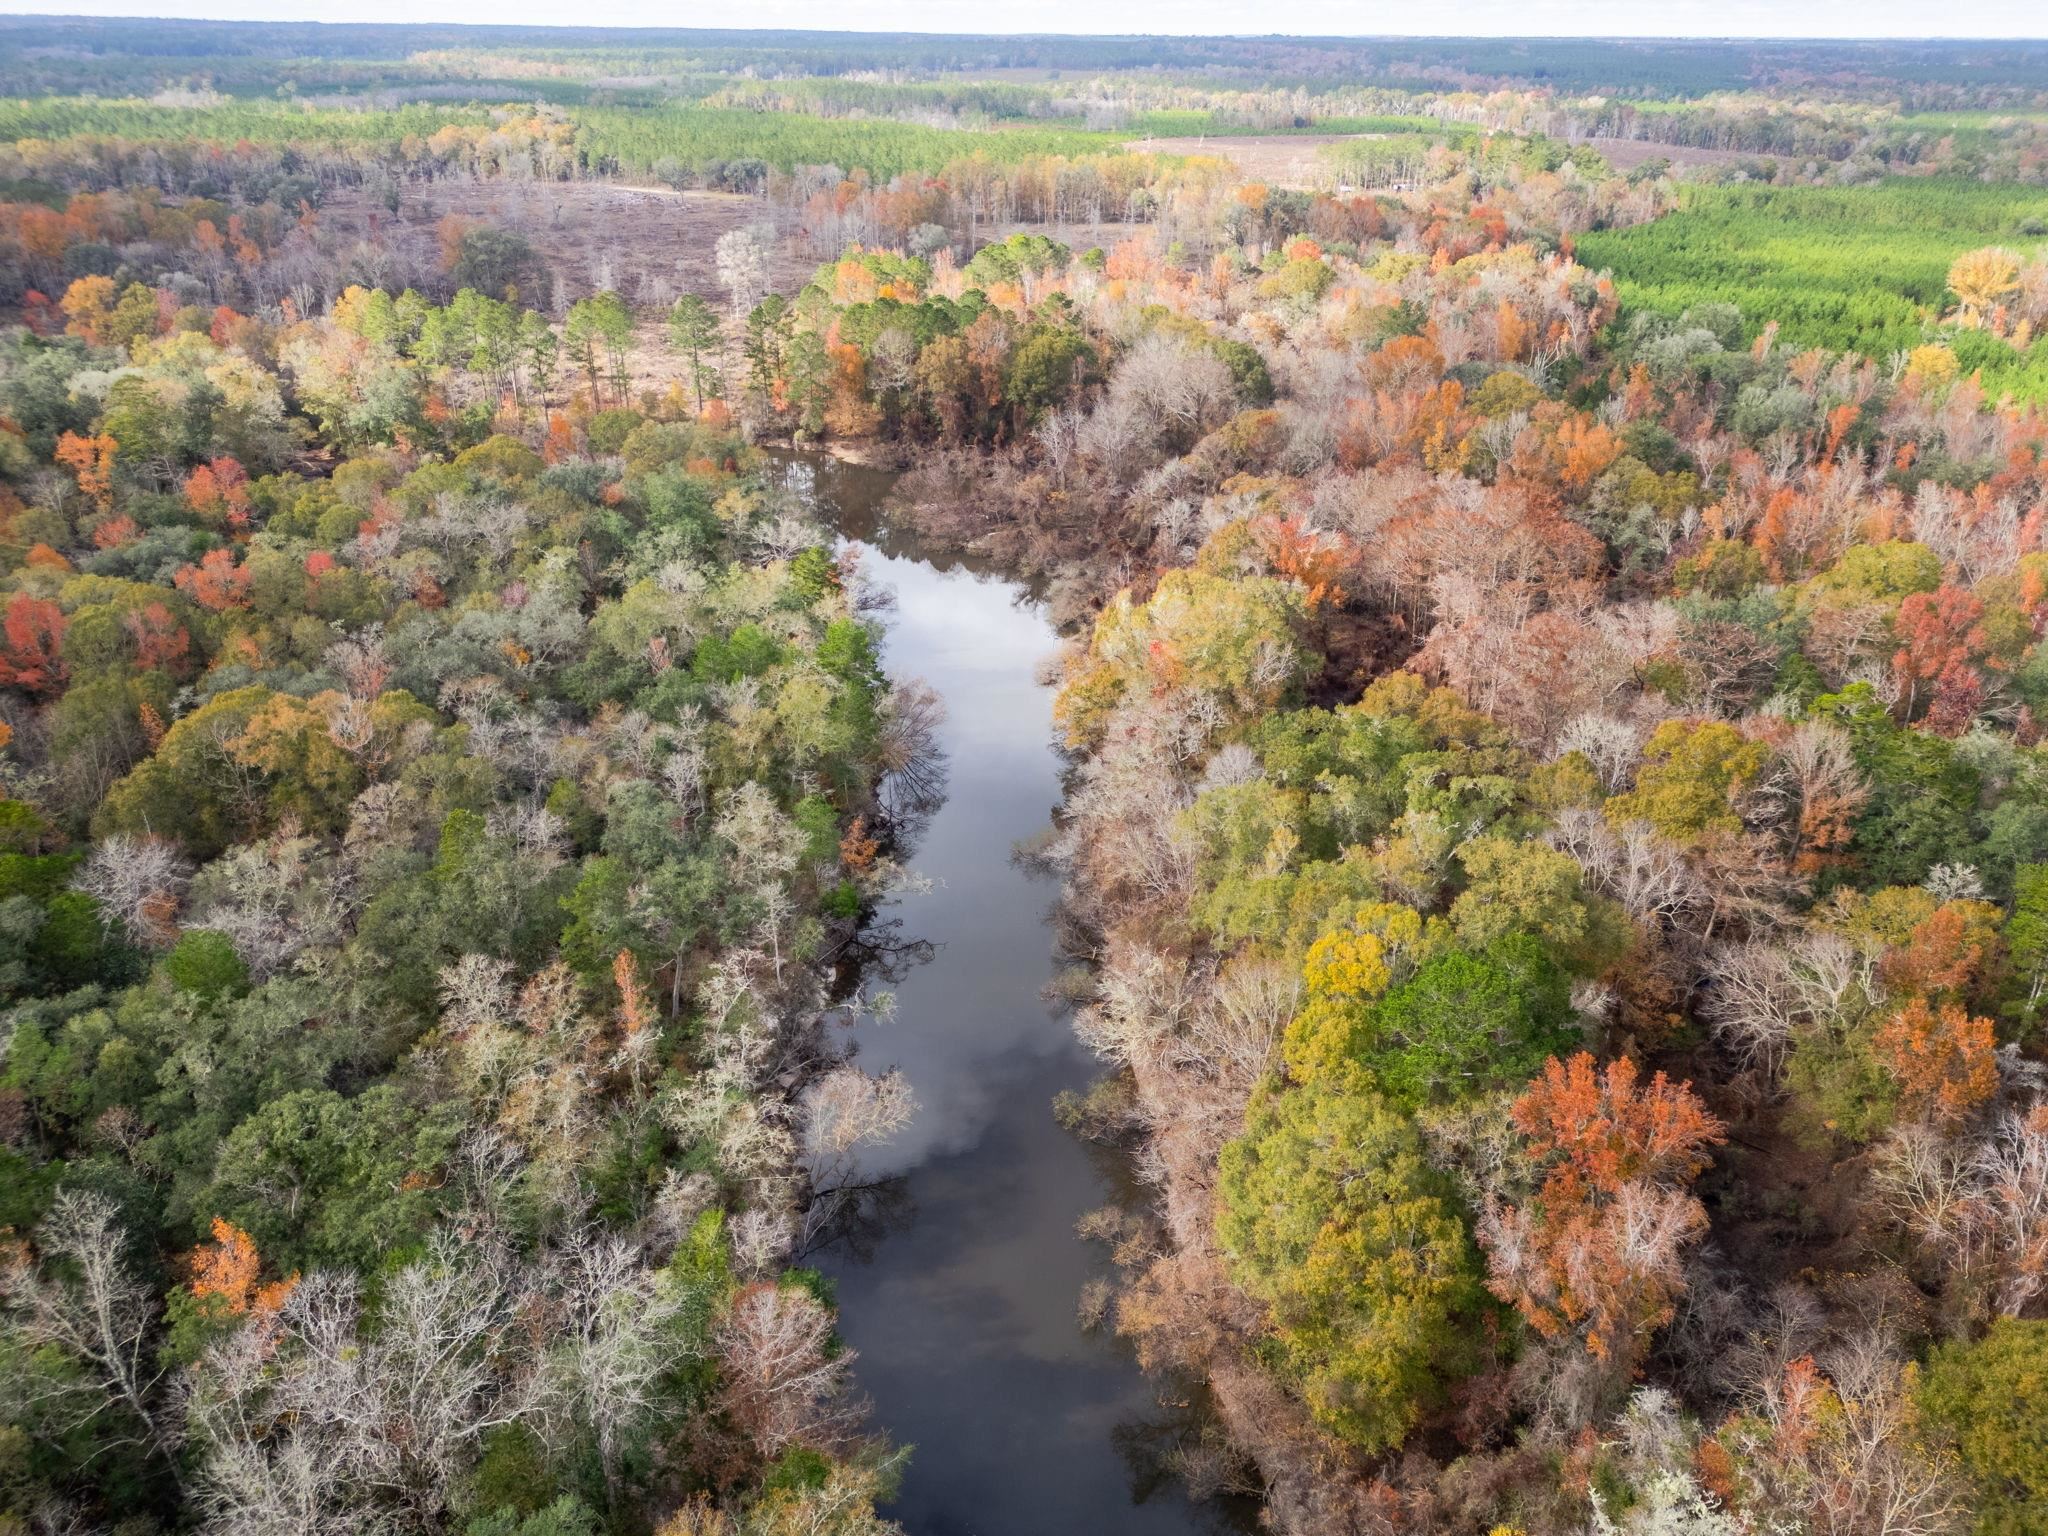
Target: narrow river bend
x,y
964,1310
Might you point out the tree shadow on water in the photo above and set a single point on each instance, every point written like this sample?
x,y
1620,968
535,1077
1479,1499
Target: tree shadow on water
x,y
853,1220
1180,1451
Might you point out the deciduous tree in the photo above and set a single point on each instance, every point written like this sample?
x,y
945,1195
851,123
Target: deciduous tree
x,y
1596,1252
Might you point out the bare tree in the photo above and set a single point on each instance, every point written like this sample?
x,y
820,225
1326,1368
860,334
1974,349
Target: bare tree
x,y
783,1384
315,1416
1161,399
616,1340
2012,1169
1253,998
1647,874
137,882
1762,994
842,1112
1611,745
913,763
1651,1450
742,257
1145,998
279,901
1840,1454
1752,1004
848,1109
1925,1181
84,1302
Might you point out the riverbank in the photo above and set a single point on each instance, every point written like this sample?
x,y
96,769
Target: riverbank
x,y
960,1292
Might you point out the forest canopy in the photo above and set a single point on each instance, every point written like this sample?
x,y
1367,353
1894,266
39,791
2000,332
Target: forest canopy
x,y
1551,543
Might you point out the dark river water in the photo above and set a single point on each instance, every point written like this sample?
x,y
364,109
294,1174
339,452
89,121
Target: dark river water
x,y
964,1308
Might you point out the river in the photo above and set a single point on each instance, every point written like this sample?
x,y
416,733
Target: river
x,y
964,1309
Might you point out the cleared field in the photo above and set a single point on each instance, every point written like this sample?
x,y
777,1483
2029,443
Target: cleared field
x,y
1627,154
1278,159
646,242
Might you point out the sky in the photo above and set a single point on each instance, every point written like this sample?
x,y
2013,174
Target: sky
x,y
1488,18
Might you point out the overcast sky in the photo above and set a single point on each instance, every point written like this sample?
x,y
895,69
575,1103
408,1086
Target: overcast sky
x,y
1512,18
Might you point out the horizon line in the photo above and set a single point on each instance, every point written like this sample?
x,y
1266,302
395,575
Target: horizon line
x,y
1709,38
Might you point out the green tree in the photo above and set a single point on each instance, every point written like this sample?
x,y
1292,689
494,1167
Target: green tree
x,y
1466,1023
1519,885
1049,362
566,1516
1880,573
319,1179
1689,777
1015,260
597,333
1233,640
205,962
540,348
693,333
1329,1213
770,325
1923,796
1992,1395
498,262
2026,941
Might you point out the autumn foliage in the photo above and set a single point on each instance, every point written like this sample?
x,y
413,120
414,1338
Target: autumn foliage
x,y
216,582
1595,1252
226,1273
219,492
91,462
32,658
1943,1057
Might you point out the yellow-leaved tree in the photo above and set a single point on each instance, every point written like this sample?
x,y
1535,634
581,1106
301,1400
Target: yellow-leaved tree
x,y
1983,279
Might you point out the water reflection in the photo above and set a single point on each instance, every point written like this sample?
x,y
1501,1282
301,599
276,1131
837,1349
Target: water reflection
x,y
850,1222
970,1026
958,1268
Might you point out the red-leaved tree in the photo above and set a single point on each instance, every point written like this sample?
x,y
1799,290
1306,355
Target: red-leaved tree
x,y
31,658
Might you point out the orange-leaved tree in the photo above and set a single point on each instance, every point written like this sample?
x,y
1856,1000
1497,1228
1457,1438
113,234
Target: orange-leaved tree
x,y
219,492
1596,1250
91,462
216,582
1944,1057
160,640
226,1274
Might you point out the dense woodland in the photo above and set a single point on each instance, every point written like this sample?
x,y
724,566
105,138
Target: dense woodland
x,y
1556,834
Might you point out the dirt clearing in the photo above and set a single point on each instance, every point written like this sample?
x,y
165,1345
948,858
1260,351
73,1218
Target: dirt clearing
x,y
648,243
1627,154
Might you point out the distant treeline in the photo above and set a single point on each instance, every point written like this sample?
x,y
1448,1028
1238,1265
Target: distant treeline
x,y
99,54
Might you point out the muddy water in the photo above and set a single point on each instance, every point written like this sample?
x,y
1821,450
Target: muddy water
x,y
963,1303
